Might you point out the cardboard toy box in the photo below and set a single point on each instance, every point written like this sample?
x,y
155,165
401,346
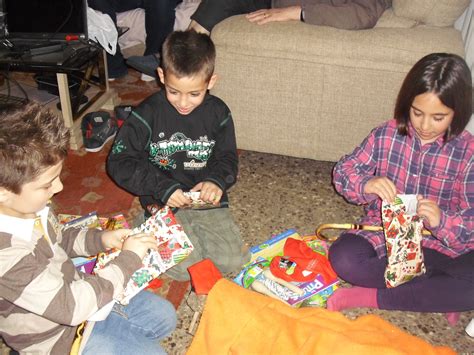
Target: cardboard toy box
x,y
316,292
90,220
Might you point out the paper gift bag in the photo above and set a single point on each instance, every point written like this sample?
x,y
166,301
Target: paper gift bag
x,y
403,235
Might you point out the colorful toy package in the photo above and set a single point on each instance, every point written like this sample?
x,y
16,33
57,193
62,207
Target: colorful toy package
x,y
91,220
173,247
314,292
403,235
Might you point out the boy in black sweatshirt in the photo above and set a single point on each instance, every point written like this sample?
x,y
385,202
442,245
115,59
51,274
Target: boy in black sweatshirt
x,y
182,139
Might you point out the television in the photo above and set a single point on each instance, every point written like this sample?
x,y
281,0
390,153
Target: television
x,y
45,19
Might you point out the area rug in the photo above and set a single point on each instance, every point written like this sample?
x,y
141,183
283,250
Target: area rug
x,y
173,291
88,188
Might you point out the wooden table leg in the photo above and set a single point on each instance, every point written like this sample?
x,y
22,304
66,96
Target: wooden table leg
x,y
105,99
66,111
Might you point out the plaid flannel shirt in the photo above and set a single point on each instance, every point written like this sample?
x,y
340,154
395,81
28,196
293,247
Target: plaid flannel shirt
x,y
442,172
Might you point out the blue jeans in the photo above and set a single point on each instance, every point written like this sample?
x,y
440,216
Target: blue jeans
x,y
133,329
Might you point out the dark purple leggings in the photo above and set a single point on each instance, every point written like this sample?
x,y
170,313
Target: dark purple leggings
x,y
447,286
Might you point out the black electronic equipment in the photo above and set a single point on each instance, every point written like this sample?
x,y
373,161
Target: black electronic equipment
x,y
50,20
44,34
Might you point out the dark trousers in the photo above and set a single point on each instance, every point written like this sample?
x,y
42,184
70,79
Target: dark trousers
x,y
159,22
210,12
447,286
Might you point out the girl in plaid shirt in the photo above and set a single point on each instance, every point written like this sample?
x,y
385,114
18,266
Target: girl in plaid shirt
x,y
425,150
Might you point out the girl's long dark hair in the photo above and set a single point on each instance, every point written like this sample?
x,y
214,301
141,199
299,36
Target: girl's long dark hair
x,y
448,77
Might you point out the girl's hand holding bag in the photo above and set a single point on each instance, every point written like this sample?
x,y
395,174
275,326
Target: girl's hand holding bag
x,y
403,231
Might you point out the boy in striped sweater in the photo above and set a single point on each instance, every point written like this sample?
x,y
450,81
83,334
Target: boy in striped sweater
x,y
43,298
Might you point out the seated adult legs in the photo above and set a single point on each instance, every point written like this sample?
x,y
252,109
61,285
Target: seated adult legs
x,y
210,12
115,63
159,22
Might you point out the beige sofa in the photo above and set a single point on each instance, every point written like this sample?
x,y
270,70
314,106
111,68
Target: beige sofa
x,y
316,92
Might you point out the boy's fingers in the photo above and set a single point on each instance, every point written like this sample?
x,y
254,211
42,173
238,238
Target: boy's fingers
x,y
198,187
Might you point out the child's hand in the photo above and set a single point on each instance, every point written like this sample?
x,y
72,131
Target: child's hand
x,y
178,199
140,243
383,187
429,210
210,192
114,239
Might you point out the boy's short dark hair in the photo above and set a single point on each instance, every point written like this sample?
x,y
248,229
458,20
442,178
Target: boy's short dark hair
x,y
445,75
188,54
31,140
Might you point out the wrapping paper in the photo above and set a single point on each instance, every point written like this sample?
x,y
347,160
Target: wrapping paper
x,y
173,247
403,235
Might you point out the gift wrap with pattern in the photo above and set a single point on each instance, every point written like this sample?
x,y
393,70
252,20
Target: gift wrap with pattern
x,y
403,235
173,247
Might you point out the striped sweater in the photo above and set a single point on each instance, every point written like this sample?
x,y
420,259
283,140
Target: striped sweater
x,y
43,298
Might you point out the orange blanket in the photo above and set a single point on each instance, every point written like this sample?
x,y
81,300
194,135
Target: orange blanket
x,y
239,321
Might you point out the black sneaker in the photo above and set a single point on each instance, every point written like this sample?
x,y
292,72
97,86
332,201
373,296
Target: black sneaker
x,y
122,112
97,129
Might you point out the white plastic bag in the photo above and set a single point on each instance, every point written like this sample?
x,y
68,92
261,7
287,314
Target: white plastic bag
x,y
102,29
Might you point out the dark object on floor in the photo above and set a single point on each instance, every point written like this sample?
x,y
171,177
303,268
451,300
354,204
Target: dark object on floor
x,y
147,64
117,73
83,100
122,112
9,101
97,129
49,83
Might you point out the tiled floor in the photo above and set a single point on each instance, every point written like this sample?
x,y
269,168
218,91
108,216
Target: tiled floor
x,y
275,193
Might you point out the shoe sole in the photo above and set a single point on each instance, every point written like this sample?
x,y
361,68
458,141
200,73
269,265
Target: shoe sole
x,y
147,78
98,149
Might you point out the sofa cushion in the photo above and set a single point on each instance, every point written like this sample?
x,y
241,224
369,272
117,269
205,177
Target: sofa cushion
x,y
315,91
390,20
440,13
378,48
